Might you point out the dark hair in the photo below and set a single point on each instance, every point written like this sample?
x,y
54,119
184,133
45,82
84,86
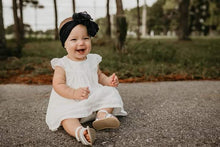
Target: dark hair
x,y
78,18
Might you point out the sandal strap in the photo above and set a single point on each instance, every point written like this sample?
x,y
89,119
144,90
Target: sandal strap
x,y
76,133
107,114
80,135
103,111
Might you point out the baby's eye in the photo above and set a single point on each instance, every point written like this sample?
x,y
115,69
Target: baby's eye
x,y
73,39
86,38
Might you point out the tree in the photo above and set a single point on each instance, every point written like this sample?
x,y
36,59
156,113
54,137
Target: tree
x,y
170,14
17,30
27,29
144,19
214,19
183,28
199,13
108,28
155,18
56,25
3,51
121,26
21,23
36,5
74,6
131,16
138,21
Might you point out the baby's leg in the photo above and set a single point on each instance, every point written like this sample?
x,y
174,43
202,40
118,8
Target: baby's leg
x,y
70,125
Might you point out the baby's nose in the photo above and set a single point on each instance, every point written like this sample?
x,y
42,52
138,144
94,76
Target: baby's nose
x,y
81,41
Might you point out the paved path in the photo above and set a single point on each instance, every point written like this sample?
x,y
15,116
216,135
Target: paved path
x,y
159,114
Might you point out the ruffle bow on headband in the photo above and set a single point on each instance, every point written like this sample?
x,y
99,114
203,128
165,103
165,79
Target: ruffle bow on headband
x,y
78,18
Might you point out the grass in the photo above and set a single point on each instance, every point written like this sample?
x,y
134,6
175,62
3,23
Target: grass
x,y
147,59
198,59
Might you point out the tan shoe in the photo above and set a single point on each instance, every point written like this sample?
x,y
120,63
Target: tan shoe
x,y
109,121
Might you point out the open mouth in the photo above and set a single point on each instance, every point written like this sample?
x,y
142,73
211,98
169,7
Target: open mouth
x,y
81,51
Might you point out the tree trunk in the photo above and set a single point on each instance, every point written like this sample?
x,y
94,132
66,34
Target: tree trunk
x,y
119,6
2,29
138,21
144,20
21,23
56,25
183,29
3,50
121,26
17,29
108,28
74,6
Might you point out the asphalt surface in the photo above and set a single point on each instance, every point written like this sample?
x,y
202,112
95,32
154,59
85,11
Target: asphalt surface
x,y
159,114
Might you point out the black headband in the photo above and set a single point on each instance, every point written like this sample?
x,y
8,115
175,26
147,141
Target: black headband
x,y
78,18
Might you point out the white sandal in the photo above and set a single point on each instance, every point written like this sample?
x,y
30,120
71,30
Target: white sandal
x,y
109,121
81,138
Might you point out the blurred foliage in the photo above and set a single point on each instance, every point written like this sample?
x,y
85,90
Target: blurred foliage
x,y
163,17
10,29
160,57
199,13
148,59
156,19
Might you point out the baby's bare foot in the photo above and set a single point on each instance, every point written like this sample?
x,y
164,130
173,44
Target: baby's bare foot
x,y
87,136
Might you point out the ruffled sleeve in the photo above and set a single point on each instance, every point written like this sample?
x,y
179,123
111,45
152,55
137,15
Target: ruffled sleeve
x,y
56,62
96,59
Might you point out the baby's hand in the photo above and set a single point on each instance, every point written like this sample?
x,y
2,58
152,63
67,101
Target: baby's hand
x,y
81,93
113,80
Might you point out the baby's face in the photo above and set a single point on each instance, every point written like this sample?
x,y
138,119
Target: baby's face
x,y
78,43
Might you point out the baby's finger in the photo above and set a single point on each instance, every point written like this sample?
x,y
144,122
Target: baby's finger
x,y
86,89
116,79
84,97
86,92
116,83
113,76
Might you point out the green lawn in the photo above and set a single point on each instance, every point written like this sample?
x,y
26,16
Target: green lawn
x,y
147,59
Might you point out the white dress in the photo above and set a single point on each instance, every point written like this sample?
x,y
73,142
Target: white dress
x,y
82,74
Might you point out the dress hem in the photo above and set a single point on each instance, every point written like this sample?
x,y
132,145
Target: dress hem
x,y
120,113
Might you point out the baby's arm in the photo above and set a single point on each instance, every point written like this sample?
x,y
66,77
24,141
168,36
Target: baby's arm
x,y
59,85
108,81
